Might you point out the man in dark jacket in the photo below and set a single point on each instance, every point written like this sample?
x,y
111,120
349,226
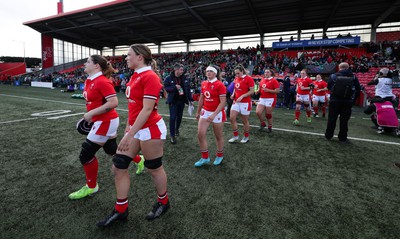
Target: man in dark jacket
x,y
344,86
178,88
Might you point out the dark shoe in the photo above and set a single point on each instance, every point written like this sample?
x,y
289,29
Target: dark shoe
x,y
173,140
177,133
269,130
113,217
158,210
344,141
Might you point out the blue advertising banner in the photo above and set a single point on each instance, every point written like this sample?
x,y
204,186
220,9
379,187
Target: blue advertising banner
x,y
316,43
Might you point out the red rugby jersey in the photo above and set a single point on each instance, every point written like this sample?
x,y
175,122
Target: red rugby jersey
x,y
144,84
318,85
242,86
96,92
271,84
305,82
211,91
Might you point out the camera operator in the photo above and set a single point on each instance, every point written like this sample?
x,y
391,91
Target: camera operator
x,y
383,85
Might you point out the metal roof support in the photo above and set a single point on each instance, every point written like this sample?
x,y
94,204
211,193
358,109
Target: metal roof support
x,y
332,15
157,23
254,16
386,13
200,19
114,24
261,40
373,34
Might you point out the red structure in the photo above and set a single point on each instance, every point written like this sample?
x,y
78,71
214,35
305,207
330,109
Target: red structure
x,y
12,69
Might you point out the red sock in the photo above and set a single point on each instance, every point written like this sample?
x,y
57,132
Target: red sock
x,y
204,154
91,169
316,110
220,153
270,126
137,159
235,133
121,205
263,124
308,112
323,109
163,199
246,134
297,114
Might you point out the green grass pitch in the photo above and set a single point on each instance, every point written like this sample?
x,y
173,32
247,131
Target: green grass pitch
x,y
288,184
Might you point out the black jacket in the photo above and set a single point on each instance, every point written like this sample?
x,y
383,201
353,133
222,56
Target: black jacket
x,y
356,85
170,83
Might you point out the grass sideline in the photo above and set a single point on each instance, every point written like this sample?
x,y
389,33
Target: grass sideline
x,y
280,185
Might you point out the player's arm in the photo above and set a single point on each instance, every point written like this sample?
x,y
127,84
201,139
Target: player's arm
x,y
200,106
111,103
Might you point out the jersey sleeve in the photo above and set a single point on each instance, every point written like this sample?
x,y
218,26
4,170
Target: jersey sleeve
x,y
222,90
107,89
152,87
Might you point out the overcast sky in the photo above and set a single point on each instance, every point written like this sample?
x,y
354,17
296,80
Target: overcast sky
x,y
14,12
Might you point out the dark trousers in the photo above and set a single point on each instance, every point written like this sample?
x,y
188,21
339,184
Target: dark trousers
x,y
335,109
229,103
286,99
175,119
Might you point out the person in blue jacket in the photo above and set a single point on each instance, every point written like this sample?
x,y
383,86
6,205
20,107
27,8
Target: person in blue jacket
x,y
178,89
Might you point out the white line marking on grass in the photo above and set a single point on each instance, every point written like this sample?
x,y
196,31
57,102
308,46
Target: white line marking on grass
x,y
254,126
312,133
63,116
53,101
13,121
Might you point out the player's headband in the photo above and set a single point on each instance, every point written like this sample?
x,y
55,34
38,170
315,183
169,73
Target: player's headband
x,y
210,68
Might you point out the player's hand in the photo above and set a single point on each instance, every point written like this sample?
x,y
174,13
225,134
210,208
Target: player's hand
x,y
211,118
125,142
88,117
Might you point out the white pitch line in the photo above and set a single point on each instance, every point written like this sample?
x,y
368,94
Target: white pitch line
x,y
53,101
254,126
312,133
68,115
13,121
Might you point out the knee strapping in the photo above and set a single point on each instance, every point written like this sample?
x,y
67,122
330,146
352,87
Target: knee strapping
x,y
154,163
268,116
110,147
121,161
88,151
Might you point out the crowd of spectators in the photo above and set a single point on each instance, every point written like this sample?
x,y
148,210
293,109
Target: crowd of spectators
x,y
256,59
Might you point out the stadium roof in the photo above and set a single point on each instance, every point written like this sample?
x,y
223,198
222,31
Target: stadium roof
x,y
124,22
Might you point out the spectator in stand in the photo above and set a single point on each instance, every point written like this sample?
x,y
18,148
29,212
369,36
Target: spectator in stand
x,y
319,95
343,87
244,88
178,88
303,87
211,110
145,131
269,88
